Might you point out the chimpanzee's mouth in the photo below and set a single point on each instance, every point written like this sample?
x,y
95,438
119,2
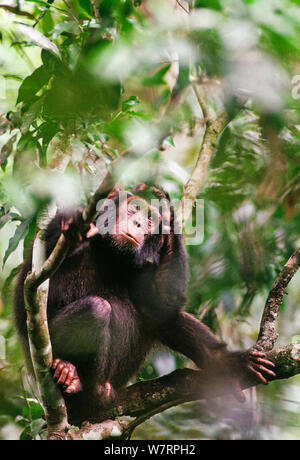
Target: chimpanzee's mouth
x,y
131,238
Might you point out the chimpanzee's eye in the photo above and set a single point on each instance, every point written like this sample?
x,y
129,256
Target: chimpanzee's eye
x,y
132,209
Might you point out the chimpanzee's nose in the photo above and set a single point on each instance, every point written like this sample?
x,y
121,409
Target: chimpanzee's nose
x,y
136,223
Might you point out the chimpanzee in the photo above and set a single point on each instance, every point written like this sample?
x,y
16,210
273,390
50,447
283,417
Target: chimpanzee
x,y
118,294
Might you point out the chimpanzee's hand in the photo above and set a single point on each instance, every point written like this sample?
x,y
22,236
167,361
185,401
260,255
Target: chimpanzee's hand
x,y
70,227
65,374
249,365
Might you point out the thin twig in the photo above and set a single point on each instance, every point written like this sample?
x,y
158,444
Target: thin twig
x,y
95,10
25,396
146,415
214,127
208,147
201,101
73,15
182,6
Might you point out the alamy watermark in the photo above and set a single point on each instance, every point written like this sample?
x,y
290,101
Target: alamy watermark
x,y
2,348
296,87
2,87
165,216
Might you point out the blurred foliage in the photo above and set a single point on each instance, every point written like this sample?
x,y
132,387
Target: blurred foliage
x,y
83,81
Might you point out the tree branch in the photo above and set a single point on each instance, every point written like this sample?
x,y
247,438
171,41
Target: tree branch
x,y
185,385
208,148
35,296
267,334
95,8
145,399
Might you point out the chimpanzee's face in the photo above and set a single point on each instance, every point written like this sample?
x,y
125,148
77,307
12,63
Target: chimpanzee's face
x,y
128,222
136,220
134,224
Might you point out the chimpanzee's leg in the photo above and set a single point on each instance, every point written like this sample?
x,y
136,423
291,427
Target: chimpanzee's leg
x,y
80,336
187,335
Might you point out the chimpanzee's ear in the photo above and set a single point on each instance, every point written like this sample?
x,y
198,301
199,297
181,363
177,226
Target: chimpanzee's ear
x,y
114,193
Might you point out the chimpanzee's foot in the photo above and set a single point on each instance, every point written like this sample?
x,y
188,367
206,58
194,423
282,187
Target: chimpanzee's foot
x,y
259,366
250,364
65,374
106,393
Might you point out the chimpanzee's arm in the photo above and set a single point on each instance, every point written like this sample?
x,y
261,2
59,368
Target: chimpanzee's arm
x,y
158,291
64,222
54,229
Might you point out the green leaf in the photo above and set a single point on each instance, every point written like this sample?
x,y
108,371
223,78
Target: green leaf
x,y
7,290
130,102
29,237
47,131
6,151
10,217
26,434
26,142
19,235
49,60
47,23
85,5
32,84
37,426
66,27
32,429
31,111
33,409
16,10
213,4
20,420
169,141
41,2
39,39
158,78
